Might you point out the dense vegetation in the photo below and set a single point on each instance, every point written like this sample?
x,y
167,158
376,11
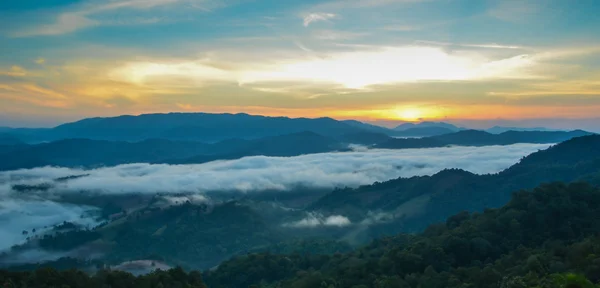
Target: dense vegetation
x,y
48,277
190,235
67,240
419,201
536,240
547,238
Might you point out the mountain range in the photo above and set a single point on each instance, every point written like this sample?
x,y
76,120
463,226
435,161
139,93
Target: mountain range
x,y
427,124
208,127
185,126
87,153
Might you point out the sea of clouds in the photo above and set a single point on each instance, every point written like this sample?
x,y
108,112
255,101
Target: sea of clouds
x,y
261,173
246,175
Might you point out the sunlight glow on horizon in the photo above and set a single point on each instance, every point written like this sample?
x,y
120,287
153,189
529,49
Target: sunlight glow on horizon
x,y
409,114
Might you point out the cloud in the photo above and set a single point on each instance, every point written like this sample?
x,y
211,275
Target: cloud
x,y
94,13
337,5
65,23
313,220
179,200
197,73
515,10
336,35
247,175
15,71
315,17
253,174
34,94
389,65
17,215
488,45
354,69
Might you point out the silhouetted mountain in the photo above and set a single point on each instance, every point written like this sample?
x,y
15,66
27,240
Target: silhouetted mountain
x,y
368,127
93,153
279,146
500,129
482,138
364,138
186,126
8,139
417,202
88,153
424,131
426,124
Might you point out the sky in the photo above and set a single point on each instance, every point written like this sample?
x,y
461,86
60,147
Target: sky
x,y
477,63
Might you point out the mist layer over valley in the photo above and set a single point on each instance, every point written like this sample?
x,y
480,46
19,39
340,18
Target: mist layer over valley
x,y
35,200
258,173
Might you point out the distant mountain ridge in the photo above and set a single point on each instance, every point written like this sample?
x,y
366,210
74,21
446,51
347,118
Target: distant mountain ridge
x,y
482,138
186,126
96,153
209,127
501,129
426,124
87,153
424,131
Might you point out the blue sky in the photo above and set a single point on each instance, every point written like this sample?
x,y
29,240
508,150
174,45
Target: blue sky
x,y
465,61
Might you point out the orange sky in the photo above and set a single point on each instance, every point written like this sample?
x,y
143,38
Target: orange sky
x,y
417,60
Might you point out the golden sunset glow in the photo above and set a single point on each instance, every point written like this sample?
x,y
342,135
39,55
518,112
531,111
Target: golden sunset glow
x,y
89,59
409,114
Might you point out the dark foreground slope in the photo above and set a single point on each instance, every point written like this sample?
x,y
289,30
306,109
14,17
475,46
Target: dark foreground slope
x,y
534,241
416,202
47,277
546,238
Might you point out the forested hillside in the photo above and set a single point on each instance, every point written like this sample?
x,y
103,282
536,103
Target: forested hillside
x,y
416,202
536,240
47,277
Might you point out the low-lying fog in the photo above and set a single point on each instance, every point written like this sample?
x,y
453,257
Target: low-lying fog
x,y
25,210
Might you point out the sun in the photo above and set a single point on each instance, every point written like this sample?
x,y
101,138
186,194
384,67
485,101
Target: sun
x,y
409,114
